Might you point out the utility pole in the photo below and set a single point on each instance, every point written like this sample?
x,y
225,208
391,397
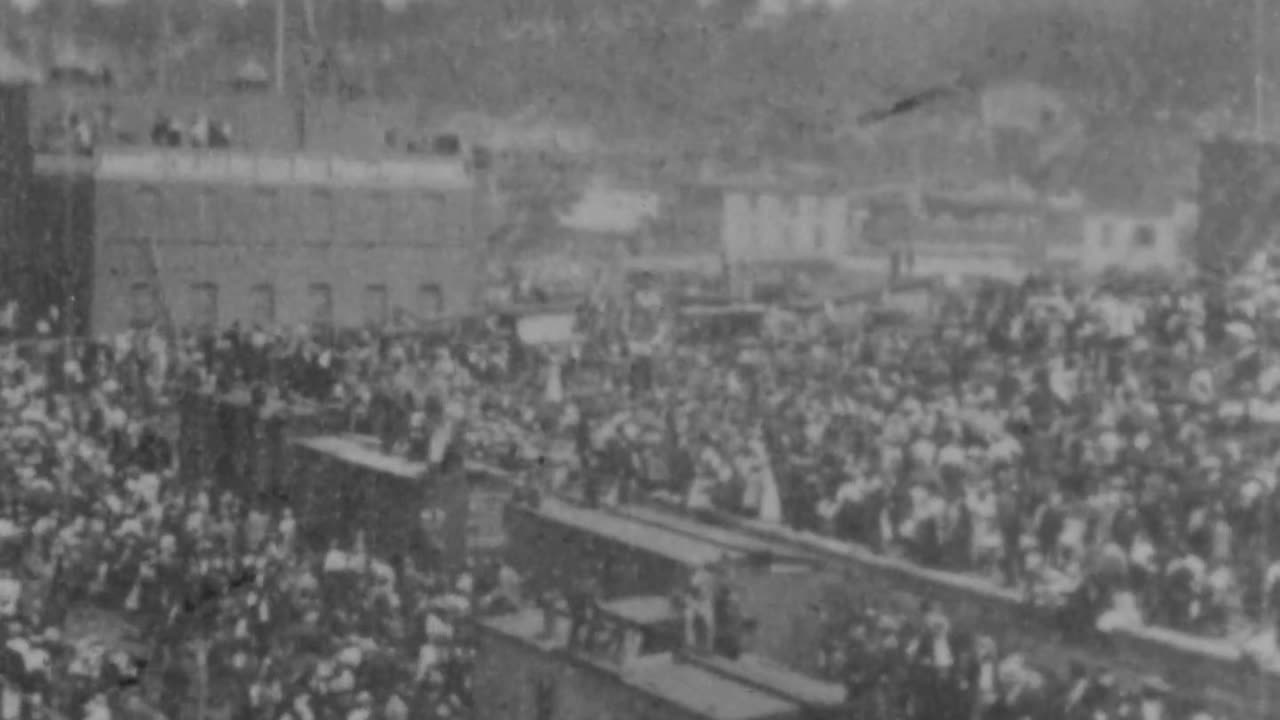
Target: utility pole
x,y
280,42
1260,38
166,42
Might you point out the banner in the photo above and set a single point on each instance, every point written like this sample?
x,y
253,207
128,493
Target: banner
x,y
551,328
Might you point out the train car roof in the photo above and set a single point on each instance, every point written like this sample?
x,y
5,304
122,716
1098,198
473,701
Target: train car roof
x,y
706,693
735,541
700,691
361,450
762,673
256,168
353,451
681,548
641,610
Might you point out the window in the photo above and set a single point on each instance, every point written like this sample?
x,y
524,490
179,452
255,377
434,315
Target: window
x,y
544,699
262,308
267,201
1105,233
142,304
375,305
786,216
202,307
321,211
1144,236
151,212
430,301
207,215
431,216
321,296
380,227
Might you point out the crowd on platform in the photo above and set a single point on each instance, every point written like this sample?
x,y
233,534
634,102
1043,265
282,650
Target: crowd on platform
x,y
1105,449
1108,451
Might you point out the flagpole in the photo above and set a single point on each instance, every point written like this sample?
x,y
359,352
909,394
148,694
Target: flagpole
x,y
280,18
1260,37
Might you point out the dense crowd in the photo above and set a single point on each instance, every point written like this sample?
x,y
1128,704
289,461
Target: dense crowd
x,y
1106,450
235,610
894,668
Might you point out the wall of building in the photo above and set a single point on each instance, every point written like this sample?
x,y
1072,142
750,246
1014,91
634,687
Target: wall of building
x,y
15,175
53,261
770,225
1131,242
278,242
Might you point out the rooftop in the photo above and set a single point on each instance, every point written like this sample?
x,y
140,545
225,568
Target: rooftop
x,y
146,164
1133,169
674,546
699,690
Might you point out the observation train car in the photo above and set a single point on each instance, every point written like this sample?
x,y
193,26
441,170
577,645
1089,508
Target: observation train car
x,y
196,239
238,444
525,673
339,483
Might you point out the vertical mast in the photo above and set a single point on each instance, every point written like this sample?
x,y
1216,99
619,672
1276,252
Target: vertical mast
x,y
1260,39
280,42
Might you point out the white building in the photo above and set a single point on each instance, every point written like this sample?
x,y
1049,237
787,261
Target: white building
x,y
768,223
1137,213
1137,239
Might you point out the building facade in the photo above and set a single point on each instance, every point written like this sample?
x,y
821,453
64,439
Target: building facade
x,y
15,174
207,238
768,224
1137,240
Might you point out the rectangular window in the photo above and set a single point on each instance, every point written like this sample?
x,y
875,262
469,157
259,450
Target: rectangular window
x,y
1144,236
379,227
544,699
321,296
375,305
203,307
786,218
1105,234
430,301
142,304
431,223
262,310
151,212
320,209
267,201
207,215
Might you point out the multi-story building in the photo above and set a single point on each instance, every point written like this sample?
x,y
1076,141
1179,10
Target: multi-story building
x,y
204,238
15,174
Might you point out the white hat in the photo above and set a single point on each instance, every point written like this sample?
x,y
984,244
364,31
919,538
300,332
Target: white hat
x,y
351,657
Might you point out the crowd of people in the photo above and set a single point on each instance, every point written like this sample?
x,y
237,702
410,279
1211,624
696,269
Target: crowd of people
x,y
1104,449
209,598
1107,450
894,667
80,132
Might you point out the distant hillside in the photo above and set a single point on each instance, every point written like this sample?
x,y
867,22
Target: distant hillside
x,y
710,69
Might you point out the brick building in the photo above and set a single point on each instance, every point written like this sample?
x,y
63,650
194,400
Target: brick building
x,y
205,238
